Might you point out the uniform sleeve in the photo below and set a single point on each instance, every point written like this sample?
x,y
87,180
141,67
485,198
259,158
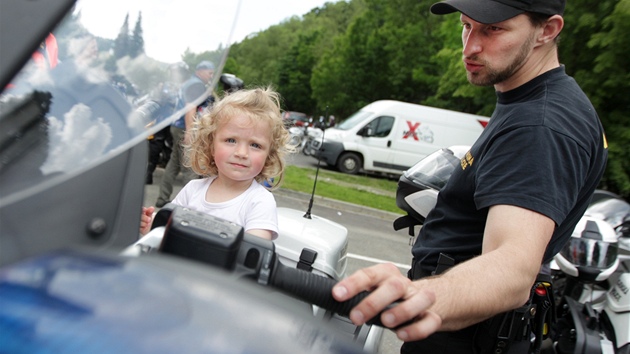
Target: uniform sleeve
x,y
534,168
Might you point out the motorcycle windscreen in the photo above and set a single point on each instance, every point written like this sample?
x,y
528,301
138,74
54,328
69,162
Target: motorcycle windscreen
x,y
435,170
74,122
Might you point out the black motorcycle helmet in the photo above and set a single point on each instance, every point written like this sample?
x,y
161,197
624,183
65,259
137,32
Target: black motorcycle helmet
x,y
418,186
231,83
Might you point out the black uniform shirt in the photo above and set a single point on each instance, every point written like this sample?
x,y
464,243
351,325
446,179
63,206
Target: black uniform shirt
x,y
543,150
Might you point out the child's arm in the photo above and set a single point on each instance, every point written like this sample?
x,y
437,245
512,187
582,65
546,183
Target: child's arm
x,y
146,219
266,234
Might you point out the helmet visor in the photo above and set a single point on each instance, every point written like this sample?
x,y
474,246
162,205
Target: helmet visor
x,y
590,253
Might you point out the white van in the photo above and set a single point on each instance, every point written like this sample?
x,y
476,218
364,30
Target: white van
x,y
391,136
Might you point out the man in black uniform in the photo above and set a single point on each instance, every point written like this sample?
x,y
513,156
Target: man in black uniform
x,y
514,202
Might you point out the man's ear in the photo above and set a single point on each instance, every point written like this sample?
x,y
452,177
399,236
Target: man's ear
x,y
551,28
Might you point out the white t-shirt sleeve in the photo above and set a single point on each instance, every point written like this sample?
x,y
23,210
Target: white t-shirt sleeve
x,y
262,212
192,193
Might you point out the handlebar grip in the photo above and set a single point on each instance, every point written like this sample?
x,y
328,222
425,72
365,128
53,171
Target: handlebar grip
x,y
317,290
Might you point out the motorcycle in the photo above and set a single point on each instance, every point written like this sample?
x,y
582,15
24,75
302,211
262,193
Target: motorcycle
x,y
590,276
75,277
419,186
314,137
297,137
302,137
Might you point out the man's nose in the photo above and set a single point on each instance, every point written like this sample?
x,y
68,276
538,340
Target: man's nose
x,y
471,44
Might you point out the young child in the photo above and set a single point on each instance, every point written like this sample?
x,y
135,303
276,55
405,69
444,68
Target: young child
x,y
239,144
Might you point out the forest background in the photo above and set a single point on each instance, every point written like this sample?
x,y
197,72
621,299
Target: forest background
x,y
345,55
339,57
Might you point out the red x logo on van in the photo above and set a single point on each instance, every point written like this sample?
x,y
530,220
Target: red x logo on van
x,y
412,130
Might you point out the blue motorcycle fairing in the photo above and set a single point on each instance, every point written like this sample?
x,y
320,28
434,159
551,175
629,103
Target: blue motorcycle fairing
x,y
80,302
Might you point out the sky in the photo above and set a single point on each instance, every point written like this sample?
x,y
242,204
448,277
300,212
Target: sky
x,y
207,23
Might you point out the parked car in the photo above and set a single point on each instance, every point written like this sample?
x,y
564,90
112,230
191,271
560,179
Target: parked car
x,y
297,119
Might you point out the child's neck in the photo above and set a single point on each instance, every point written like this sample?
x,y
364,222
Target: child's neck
x,y
222,190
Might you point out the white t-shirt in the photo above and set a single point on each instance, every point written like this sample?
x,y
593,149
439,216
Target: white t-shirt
x,y
253,209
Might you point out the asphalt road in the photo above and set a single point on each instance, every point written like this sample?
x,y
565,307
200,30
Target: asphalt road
x,y
299,159
371,237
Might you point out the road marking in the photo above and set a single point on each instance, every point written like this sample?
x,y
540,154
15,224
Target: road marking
x,y
376,260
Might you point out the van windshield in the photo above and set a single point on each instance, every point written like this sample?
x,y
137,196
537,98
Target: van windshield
x,y
353,120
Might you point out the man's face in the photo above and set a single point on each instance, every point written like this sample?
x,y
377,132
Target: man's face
x,y
495,54
206,75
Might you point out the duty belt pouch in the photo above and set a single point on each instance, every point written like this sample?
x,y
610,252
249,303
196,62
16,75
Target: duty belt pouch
x,y
496,335
444,263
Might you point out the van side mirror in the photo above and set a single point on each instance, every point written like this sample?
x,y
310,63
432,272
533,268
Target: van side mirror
x,y
365,131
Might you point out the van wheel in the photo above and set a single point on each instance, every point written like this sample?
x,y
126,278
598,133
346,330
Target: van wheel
x,y
349,162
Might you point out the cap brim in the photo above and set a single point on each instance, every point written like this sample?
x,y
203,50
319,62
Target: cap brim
x,y
481,11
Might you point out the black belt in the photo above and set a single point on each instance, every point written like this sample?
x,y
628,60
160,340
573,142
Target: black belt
x,y
417,272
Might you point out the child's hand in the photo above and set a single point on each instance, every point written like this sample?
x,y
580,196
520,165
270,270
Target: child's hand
x,y
146,219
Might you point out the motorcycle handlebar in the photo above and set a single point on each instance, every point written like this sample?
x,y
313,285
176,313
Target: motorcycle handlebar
x,y
201,237
317,290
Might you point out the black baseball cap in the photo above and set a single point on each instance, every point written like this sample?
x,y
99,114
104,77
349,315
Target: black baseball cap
x,y
493,11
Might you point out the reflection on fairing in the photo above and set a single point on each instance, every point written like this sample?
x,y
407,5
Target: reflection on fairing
x,y
74,128
59,120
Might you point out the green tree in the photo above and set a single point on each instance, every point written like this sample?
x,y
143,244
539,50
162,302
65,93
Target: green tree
x,y
121,43
294,74
136,42
594,50
231,66
384,54
259,55
360,51
264,58
354,72
329,82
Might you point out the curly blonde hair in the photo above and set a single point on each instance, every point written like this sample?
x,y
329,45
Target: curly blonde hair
x,y
260,105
